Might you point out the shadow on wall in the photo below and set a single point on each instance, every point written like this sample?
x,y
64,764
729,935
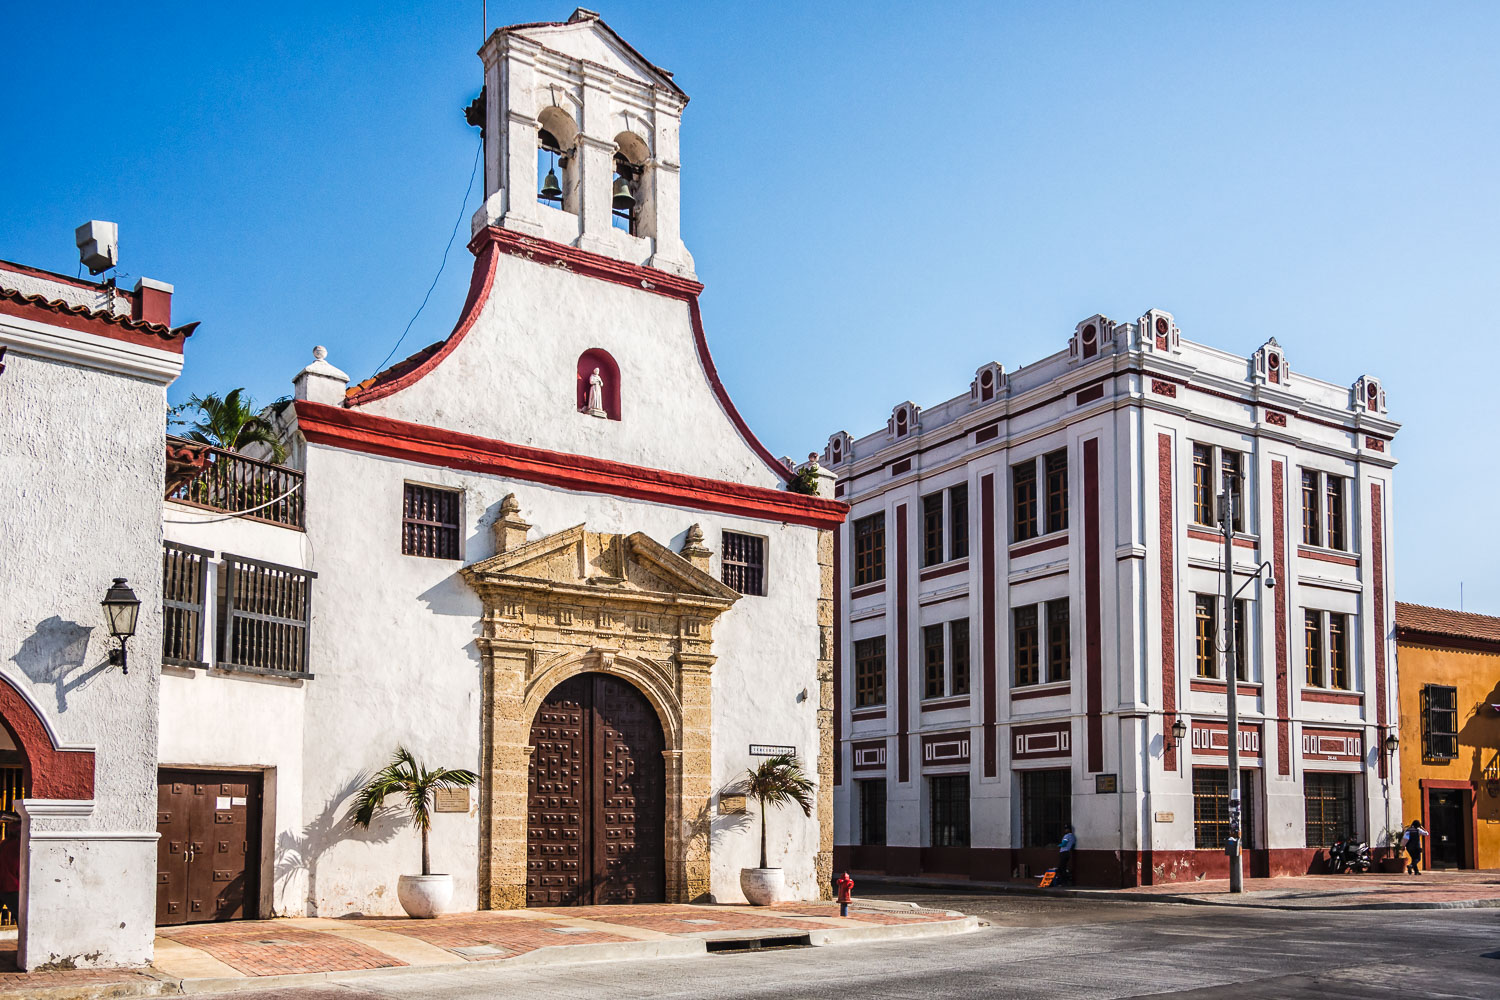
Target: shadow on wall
x,y
714,830
52,656
298,854
1480,732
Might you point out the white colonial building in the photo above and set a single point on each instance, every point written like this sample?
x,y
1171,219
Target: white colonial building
x,y
546,548
1030,627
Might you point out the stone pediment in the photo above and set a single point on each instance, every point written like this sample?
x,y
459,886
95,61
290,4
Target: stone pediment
x,y
601,564
585,36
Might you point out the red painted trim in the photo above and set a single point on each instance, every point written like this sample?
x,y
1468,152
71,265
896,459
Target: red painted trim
x,y
947,703
357,430
838,656
1377,557
1283,669
1089,395
1218,539
82,319
1210,686
54,773
1093,612
868,714
1023,694
1051,543
494,240
1328,557
1167,539
903,614
1471,849
933,574
1333,697
870,591
987,626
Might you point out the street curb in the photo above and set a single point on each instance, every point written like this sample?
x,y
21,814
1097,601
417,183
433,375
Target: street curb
x,y
1126,896
825,937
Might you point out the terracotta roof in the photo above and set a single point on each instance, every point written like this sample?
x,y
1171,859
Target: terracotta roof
x,y
1420,619
395,371
124,322
185,459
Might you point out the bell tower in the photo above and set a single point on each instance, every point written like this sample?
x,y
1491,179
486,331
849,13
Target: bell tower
x,y
581,142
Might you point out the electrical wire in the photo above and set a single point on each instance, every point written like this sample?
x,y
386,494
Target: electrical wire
x,y
451,236
238,513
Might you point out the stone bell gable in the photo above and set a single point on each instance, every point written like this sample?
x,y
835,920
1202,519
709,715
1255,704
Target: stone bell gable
x,y
581,601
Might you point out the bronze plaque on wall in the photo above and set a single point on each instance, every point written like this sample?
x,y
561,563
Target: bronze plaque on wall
x,y
451,800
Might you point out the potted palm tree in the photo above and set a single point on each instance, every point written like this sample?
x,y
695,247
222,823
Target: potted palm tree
x,y
776,782
424,895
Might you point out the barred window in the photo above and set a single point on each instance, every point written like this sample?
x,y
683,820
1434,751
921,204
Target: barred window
x,y
184,578
869,549
958,655
1046,806
1059,641
869,672
429,522
932,529
1211,808
1329,801
1023,501
1313,641
744,563
1057,490
265,614
872,811
1026,642
950,810
958,521
932,659
1207,629
1338,651
1203,489
1439,722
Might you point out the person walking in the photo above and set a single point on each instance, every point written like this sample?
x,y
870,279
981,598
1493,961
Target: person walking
x,y
10,863
1411,839
1065,857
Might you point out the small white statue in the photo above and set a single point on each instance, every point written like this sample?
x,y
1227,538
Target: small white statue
x,y
596,395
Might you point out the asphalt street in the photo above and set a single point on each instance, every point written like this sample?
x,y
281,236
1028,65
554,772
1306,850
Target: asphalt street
x,y
1043,947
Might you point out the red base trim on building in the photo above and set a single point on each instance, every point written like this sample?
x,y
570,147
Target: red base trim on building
x,y
356,430
52,773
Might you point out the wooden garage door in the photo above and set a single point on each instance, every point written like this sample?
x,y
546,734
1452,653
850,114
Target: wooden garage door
x,y
596,797
209,852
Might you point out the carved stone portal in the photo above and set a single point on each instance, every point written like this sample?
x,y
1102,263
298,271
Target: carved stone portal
x,y
579,601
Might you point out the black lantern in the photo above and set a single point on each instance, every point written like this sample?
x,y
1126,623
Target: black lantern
x,y
121,609
1179,732
1392,744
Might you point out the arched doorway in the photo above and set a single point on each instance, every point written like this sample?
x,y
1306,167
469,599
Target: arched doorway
x,y
596,797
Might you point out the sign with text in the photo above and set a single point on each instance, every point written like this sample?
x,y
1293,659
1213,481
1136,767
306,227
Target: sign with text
x,y
769,750
1106,783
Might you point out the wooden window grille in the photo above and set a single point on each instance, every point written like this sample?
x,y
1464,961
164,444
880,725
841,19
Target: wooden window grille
x,y
429,522
745,563
1059,641
1026,645
1057,490
934,666
1046,807
263,491
869,672
869,549
1211,808
266,612
1336,533
1312,629
1338,651
1312,529
932,529
958,656
872,811
1023,501
1329,807
1439,722
1207,628
184,582
950,810
1203,490
958,521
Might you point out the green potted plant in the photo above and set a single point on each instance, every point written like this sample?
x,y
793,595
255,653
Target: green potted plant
x,y
425,895
776,782
1390,861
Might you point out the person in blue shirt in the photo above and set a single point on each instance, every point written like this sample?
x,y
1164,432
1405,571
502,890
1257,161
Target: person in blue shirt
x,y
1065,857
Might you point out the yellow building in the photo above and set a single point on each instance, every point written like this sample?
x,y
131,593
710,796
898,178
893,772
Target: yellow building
x,y
1448,665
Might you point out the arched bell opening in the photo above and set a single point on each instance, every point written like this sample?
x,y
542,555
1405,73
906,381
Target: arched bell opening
x,y
631,208
556,160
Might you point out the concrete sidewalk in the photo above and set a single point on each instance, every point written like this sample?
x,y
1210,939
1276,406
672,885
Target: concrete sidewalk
x,y
1428,891
211,958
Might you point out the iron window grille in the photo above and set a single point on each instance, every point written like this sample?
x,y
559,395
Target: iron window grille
x,y
872,812
958,656
1057,490
184,588
1329,806
266,612
1046,806
950,810
1439,722
869,549
1211,808
745,563
429,522
869,672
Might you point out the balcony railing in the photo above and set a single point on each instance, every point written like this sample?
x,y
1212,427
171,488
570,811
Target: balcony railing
x,y
257,491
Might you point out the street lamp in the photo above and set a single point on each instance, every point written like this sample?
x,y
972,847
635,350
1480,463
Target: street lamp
x,y
1232,678
1179,732
121,608
1391,745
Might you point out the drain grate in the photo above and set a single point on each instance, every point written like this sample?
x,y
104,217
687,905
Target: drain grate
x,y
724,946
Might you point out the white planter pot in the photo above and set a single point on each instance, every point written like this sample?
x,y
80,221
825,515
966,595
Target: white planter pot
x,y
424,896
762,886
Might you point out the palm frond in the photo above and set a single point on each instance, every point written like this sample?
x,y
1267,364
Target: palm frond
x,y
780,780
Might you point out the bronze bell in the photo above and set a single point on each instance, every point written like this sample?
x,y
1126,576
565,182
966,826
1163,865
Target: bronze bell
x,y
623,201
551,190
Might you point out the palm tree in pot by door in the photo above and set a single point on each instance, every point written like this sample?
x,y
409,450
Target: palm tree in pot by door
x,y
776,782
424,895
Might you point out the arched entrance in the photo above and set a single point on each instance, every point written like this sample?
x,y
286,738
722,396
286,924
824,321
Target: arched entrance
x,y
596,797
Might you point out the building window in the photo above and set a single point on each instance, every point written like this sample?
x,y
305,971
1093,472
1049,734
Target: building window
x,y
1027,642
1207,623
745,563
1231,467
869,672
429,522
872,811
958,521
1046,806
1439,722
1059,641
1312,506
1329,801
932,529
184,576
1241,640
933,661
264,618
950,810
1338,651
1327,649
958,656
1336,533
1211,808
1203,489
1023,501
1317,668
1323,507
1057,490
869,549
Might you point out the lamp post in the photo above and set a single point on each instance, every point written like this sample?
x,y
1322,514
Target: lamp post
x,y
1232,679
121,608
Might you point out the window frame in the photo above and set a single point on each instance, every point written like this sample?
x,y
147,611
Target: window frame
x,y
869,548
1340,674
1312,507
1055,474
1210,463
960,660
1059,637
1031,649
1045,790
1336,512
958,521
1431,732
869,672
1210,832
1315,674
934,661
868,811
753,575
1024,523
1335,793
413,527
949,814
1206,638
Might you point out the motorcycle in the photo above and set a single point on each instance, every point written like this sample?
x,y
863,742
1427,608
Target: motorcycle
x,y
1348,856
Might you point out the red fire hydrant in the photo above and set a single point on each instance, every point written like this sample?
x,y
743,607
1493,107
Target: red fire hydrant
x,y
846,893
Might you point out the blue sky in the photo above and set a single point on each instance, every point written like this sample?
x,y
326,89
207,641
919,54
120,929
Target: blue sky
x,y
880,197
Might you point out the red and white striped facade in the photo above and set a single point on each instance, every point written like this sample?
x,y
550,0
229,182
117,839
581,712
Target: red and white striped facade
x,y
1127,402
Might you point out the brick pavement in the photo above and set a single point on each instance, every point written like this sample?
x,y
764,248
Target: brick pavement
x,y
274,948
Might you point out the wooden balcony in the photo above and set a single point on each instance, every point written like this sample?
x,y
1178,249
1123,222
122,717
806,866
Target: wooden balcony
x,y
200,475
